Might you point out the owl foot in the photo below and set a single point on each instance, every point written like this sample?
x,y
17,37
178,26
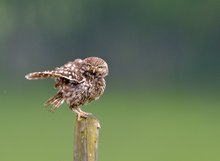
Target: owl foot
x,y
80,114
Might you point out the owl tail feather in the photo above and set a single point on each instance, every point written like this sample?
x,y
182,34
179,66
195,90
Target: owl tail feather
x,y
40,75
55,101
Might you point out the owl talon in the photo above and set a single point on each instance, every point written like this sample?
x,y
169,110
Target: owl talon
x,y
82,115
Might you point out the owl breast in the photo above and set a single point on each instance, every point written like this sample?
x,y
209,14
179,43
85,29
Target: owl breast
x,y
96,88
79,94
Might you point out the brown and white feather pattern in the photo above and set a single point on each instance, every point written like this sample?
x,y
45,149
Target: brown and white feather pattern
x,y
69,71
78,82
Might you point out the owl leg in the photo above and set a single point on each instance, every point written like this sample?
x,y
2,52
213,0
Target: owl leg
x,y
77,113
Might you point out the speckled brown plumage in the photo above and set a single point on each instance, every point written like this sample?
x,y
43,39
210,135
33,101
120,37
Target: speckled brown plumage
x,y
78,82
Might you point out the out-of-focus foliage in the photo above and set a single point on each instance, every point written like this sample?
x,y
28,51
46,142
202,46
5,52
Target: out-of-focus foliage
x,y
156,126
159,42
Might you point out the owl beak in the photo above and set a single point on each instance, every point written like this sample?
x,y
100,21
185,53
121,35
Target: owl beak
x,y
93,70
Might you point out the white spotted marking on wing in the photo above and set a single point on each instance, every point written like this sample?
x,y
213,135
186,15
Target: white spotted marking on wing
x,y
68,65
59,71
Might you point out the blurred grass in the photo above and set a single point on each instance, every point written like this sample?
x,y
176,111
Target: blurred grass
x,y
156,125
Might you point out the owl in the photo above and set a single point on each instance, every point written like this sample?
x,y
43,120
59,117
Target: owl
x,y
78,82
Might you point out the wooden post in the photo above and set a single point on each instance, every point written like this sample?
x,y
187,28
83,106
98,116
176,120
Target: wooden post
x,y
86,134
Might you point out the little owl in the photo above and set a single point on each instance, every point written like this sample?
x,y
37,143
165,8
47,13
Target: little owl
x,y
78,82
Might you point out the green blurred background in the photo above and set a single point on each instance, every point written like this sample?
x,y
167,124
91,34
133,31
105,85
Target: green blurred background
x,y
162,97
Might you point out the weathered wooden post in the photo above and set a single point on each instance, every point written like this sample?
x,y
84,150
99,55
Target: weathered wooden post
x,y
86,134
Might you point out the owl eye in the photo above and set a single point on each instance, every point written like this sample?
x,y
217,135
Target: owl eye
x,y
100,68
88,65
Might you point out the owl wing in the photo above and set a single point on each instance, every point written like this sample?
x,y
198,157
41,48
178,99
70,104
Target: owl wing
x,y
70,71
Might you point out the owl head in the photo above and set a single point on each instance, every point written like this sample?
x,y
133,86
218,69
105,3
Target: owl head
x,y
95,66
